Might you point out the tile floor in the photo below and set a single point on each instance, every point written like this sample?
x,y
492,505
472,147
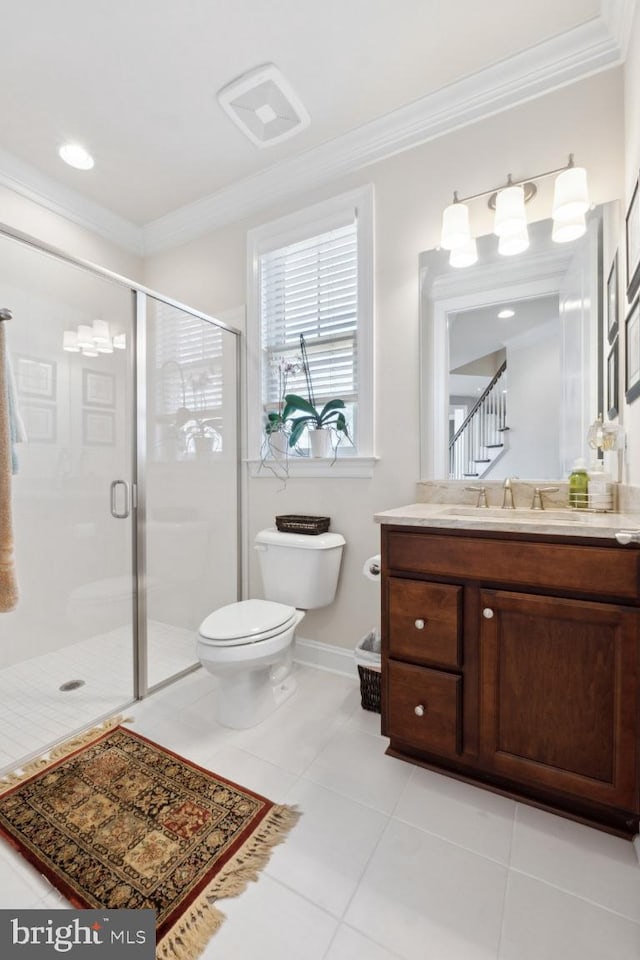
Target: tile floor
x,y
388,861
104,662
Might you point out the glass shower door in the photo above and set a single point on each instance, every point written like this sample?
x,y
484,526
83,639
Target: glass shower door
x,y
66,651
191,551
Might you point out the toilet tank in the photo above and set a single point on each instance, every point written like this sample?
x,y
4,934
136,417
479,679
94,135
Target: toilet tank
x,y
299,570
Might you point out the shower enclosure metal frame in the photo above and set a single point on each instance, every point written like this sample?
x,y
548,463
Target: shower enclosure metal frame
x,y
137,373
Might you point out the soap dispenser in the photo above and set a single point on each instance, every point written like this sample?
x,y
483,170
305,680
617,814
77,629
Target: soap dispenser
x,y
579,485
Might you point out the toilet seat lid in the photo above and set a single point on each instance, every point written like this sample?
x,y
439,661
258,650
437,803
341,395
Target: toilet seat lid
x,y
247,619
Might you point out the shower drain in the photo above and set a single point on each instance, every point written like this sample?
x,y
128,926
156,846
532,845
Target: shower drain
x,y
71,685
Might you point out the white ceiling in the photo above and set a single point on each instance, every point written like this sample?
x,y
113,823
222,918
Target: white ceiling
x,y
136,84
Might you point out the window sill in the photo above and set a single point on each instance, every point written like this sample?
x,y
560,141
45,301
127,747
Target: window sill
x,y
298,467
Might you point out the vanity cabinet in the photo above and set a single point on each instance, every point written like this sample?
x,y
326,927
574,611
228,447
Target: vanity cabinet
x,y
512,661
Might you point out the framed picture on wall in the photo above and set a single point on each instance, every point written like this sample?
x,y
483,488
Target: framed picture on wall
x,y
612,300
98,428
632,230
632,351
39,421
612,381
98,389
35,377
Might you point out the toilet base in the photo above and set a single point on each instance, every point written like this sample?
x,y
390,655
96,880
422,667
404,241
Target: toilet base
x,y
246,699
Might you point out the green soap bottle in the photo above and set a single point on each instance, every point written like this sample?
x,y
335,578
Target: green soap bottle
x,y
579,486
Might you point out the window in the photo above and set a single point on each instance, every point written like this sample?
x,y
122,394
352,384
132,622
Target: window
x,y
188,354
311,274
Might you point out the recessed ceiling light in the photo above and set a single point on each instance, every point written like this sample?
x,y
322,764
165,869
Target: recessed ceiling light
x,y
76,156
505,314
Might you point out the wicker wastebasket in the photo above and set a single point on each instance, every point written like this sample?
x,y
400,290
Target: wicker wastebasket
x,y
368,658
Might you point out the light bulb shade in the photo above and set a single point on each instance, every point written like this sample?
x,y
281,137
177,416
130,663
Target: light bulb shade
x,y
570,194
455,226
566,229
70,341
120,341
516,243
464,256
85,336
105,347
101,332
89,352
511,218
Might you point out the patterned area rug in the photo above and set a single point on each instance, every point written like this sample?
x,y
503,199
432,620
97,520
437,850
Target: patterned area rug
x,y
116,821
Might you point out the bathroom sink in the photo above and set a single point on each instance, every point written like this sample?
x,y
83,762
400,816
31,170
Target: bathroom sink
x,y
514,516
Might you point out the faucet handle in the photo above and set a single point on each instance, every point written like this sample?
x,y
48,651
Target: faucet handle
x,y
482,494
538,502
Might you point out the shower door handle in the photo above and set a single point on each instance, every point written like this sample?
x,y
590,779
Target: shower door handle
x,y
126,507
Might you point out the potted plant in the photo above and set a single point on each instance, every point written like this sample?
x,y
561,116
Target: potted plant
x,y
320,424
198,429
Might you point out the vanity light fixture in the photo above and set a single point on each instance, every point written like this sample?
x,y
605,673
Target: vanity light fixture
x,y
92,340
570,204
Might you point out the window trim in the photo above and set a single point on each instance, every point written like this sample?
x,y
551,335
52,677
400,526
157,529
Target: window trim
x,y
308,222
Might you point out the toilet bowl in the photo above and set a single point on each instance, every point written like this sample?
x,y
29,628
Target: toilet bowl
x,y
248,645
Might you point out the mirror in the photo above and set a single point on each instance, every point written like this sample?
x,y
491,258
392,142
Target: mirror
x,y
512,355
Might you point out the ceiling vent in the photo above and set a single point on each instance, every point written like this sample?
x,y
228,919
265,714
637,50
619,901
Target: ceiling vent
x,y
264,106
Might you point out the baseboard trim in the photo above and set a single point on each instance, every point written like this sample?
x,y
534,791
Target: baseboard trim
x,y
325,656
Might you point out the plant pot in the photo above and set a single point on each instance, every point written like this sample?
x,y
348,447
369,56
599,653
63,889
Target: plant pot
x,y
320,443
278,445
203,446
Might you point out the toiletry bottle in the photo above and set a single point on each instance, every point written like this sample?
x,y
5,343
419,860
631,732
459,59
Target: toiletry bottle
x,y
600,488
579,485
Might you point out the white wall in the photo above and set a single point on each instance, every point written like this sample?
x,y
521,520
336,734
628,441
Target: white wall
x,y
410,191
630,414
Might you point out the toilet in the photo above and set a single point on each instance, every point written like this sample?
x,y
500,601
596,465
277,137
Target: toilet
x,y
248,645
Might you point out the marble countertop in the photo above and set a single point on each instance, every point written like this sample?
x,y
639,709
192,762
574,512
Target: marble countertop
x,y
554,522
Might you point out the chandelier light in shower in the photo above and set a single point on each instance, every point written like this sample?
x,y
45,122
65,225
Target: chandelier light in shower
x,y
92,339
570,204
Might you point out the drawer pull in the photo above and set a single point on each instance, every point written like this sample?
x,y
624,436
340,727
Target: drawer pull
x,y
487,613
419,710
419,624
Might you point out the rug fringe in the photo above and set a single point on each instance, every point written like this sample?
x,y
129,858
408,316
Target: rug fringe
x,y
190,934
23,773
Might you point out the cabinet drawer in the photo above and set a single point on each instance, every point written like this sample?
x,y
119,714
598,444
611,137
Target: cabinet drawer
x,y
425,622
596,571
436,696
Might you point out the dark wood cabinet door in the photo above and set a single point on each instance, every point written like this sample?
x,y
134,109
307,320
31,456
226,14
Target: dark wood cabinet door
x,y
424,708
559,694
425,622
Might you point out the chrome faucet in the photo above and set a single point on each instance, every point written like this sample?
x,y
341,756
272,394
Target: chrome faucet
x,y
482,494
507,495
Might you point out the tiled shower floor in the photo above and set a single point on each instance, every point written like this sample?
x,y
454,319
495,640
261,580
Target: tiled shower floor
x,y
34,712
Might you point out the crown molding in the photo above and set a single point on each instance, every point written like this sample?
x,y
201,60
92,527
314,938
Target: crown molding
x,y
25,180
618,15
587,49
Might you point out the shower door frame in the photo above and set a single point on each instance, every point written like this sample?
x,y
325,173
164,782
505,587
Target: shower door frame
x,y
138,377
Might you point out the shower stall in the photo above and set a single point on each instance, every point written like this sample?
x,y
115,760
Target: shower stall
x,y
125,502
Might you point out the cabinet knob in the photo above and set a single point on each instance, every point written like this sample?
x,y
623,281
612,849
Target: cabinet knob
x,y
419,710
419,624
487,613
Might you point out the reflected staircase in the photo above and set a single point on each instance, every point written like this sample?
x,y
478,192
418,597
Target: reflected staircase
x,y
481,438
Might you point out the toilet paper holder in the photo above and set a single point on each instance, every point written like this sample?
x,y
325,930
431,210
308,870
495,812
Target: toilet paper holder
x,y
372,567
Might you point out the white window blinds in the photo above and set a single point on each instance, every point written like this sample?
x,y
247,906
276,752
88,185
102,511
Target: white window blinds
x,y
188,353
311,288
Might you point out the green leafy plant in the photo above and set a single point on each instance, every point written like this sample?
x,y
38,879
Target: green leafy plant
x,y
329,417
